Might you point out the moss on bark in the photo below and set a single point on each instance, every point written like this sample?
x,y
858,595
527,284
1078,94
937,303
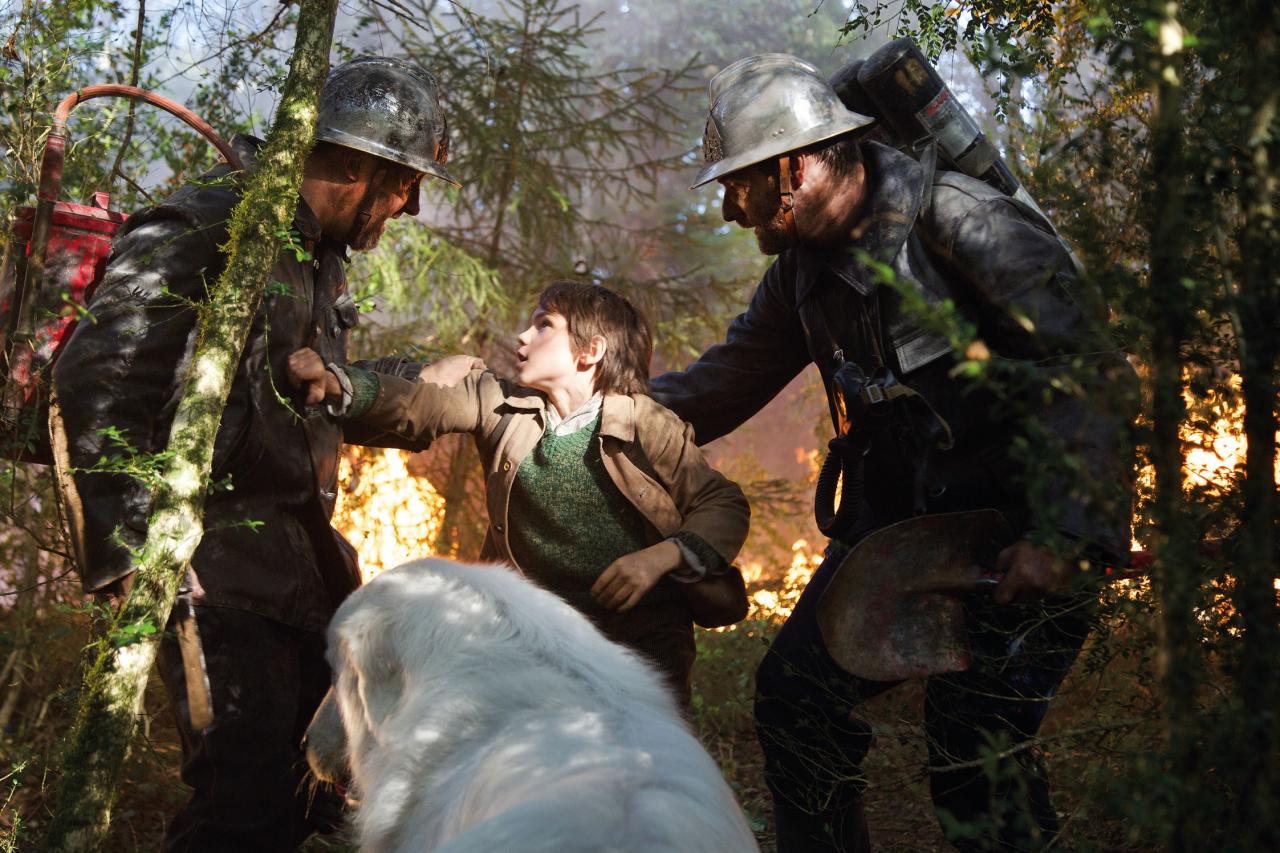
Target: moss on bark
x,y
114,680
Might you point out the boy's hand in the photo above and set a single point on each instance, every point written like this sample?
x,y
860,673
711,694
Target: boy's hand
x,y
628,578
448,372
307,371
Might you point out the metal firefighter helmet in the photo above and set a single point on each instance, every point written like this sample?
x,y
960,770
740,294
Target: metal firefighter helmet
x,y
764,106
389,108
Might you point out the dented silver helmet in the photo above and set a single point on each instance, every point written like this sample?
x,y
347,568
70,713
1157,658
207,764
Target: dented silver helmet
x,y
389,108
764,106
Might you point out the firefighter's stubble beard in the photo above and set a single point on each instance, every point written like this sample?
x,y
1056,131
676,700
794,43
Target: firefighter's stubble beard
x,y
772,235
773,238
366,229
368,224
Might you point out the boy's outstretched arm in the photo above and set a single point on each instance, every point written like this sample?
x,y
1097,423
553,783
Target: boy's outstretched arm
x,y
450,370
308,371
451,396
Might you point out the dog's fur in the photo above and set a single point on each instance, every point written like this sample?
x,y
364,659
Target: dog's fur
x,y
480,714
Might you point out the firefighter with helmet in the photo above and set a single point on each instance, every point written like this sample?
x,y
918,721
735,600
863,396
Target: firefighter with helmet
x,y
835,207
243,657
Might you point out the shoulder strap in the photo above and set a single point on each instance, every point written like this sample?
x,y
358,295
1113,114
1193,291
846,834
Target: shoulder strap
x,y
871,326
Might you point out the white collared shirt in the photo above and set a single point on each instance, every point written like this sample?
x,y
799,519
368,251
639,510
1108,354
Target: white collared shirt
x,y
582,417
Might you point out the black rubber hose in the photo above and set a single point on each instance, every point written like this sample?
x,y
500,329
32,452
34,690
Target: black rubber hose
x,y
835,520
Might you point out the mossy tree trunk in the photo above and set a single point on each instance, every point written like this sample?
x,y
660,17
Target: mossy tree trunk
x,y
117,673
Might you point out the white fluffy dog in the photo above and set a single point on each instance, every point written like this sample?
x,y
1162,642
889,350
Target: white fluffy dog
x,y
479,713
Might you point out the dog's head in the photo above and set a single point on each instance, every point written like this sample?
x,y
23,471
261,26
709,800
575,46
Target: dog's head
x,y
416,629
430,662
367,686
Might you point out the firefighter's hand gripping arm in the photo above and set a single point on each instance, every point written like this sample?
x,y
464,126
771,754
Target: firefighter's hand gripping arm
x,y
307,372
321,384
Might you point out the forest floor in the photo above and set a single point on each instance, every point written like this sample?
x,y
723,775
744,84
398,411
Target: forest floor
x,y
897,802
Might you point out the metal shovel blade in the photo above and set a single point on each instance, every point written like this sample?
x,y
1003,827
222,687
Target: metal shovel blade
x,y
893,610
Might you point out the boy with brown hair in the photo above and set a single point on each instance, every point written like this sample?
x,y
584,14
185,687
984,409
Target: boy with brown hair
x,y
594,491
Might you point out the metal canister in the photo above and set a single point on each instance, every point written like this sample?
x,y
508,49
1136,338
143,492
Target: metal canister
x,y
912,98
855,98
909,98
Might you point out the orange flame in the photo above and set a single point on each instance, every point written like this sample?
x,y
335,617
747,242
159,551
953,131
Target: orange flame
x,y
1214,456
390,515
775,603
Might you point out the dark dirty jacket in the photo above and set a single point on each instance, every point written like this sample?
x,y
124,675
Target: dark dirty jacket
x,y
1006,272
122,369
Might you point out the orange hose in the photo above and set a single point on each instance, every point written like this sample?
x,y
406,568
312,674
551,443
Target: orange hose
x,y
115,89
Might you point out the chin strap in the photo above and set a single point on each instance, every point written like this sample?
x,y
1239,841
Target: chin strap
x,y
788,196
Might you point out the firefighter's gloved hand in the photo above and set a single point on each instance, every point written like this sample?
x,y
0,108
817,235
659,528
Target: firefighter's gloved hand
x,y
307,372
1031,572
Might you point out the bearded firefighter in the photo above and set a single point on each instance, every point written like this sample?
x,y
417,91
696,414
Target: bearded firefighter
x,y
871,245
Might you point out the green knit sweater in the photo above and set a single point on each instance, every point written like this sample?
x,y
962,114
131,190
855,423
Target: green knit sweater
x,y
568,521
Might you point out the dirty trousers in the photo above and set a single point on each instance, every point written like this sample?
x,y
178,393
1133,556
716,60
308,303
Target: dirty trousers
x,y
814,746
246,772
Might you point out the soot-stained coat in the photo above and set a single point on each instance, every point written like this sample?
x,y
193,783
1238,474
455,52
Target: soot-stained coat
x,y
1004,270
275,461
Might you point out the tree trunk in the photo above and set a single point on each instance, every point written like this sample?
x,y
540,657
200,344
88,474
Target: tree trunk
x,y
113,684
1171,303
1255,560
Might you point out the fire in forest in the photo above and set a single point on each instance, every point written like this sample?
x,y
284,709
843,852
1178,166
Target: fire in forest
x,y
1215,456
388,514
774,602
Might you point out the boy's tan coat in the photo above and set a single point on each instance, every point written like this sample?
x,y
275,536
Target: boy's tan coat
x,y
648,452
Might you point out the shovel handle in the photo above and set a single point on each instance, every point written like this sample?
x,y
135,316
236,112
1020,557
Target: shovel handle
x,y
1140,563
